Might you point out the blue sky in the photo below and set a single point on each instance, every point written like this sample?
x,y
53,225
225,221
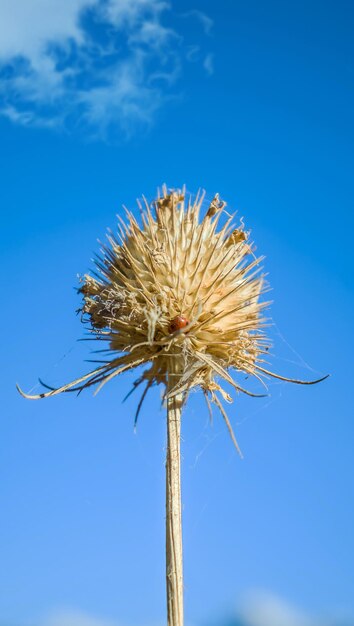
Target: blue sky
x,y
99,103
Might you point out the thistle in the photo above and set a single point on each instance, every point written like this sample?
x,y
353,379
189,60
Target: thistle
x,y
183,297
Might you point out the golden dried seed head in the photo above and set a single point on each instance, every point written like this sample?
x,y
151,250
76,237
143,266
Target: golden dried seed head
x,y
174,262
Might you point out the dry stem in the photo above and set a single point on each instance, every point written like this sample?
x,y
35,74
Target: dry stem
x,y
174,560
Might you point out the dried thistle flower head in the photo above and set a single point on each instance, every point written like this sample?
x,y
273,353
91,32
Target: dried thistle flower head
x,y
181,295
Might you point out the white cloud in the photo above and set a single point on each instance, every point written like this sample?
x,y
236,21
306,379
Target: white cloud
x,y
203,18
75,618
209,64
261,608
258,608
94,64
25,26
265,609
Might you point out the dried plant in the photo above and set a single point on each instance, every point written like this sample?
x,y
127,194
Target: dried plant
x,y
184,297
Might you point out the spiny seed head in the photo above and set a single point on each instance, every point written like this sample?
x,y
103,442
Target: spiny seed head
x,y
176,272
179,294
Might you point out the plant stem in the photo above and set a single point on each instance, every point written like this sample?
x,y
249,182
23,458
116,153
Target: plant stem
x,y
174,557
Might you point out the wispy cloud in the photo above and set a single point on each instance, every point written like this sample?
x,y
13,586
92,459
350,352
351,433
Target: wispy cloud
x,y
258,608
209,64
73,617
267,609
203,18
76,618
92,64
